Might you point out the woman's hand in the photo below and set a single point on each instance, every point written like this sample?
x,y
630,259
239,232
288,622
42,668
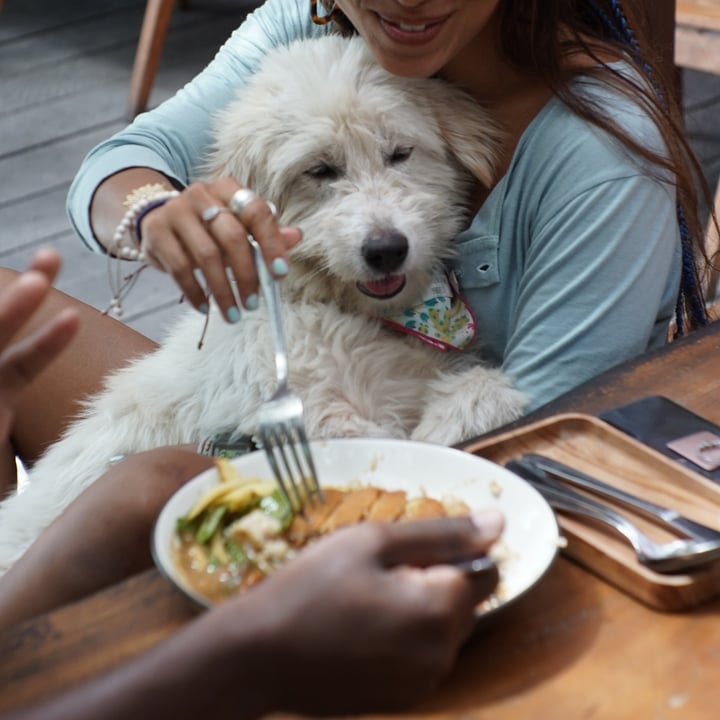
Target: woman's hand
x,y
22,361
197,231
371,617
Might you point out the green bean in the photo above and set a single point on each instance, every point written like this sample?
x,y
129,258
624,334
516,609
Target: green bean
x,y
210,524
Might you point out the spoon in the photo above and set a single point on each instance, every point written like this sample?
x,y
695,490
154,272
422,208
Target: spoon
x,y
672,557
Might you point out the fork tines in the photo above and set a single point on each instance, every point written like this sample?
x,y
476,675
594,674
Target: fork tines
x,y
294,470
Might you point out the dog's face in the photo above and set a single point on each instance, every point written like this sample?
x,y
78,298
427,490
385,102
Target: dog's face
x,y
375,170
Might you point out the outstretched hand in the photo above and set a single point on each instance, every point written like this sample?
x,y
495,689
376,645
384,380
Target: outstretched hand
x,y
373,616
21,361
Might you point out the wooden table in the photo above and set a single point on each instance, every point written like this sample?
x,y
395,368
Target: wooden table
x,y
574,647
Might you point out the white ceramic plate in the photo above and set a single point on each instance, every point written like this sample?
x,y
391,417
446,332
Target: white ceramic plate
x,y
528,545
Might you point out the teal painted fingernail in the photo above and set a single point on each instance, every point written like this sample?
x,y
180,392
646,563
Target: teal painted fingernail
x,y
204,308
233,315
279,267
252,302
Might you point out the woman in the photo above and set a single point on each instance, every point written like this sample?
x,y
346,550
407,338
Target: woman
x,y
575,260
376,612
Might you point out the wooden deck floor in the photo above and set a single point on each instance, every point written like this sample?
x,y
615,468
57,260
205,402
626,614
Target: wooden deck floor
x,y
64,76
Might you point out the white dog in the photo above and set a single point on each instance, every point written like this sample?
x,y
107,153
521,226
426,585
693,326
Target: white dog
x,y
376,171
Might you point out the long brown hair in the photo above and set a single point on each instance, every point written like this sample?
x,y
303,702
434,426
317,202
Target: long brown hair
x,y
539,36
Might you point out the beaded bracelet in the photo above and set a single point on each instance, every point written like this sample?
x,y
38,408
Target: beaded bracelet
x,y
139,203
144,212
129,226
143,192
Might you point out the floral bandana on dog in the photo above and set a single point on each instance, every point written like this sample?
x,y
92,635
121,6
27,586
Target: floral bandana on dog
x,y
441,319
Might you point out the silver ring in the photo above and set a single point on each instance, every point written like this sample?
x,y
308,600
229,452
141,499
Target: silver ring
x,y
210,213
241,199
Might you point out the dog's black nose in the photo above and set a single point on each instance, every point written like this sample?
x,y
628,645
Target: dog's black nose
x,y
385,250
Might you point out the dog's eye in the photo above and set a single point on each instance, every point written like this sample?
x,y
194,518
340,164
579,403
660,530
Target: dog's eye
x,y
323,171
399,154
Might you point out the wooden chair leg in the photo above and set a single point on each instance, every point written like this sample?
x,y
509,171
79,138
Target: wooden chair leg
x,y
147,57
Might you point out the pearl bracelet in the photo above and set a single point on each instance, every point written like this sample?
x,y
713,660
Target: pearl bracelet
x,y
127,243
129,225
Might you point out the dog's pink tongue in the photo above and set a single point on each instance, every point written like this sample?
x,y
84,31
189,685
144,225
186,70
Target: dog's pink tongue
x,y
387,286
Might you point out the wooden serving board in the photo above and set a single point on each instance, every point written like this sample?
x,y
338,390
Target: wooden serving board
x,y
591,445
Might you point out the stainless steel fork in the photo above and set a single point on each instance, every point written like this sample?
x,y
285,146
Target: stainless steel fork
x,y
280,420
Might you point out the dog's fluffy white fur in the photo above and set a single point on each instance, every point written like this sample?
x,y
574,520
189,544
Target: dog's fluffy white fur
x,y
345,150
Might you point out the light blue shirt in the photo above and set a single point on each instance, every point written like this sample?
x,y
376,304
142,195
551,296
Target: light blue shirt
x,y
572,264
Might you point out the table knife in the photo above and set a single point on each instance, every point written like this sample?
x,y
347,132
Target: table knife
x,y
657,513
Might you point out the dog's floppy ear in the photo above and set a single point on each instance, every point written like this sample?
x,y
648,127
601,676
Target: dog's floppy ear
x,y
248,137
468,129
243,138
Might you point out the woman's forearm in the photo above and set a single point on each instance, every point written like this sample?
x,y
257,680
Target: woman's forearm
x,y
107,207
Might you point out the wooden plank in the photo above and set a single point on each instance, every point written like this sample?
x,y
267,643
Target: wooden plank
x,y
27,129
28,222
192,41
29,657
27,17
698,49
45,167
88,37
95,96
699,13
80,39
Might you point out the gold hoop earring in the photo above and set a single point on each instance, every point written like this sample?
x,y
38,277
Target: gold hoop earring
x,y
321,19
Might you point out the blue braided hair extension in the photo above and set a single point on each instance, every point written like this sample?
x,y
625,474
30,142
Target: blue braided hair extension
x,y
619,27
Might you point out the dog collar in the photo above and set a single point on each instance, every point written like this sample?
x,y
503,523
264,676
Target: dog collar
x,y
441,319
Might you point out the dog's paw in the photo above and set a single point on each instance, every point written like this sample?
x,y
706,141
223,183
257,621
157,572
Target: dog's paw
x,y
439,428
349,426
467,406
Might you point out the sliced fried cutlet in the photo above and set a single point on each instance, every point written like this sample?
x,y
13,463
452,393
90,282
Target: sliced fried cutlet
x,y
305,526
388,506
353,508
